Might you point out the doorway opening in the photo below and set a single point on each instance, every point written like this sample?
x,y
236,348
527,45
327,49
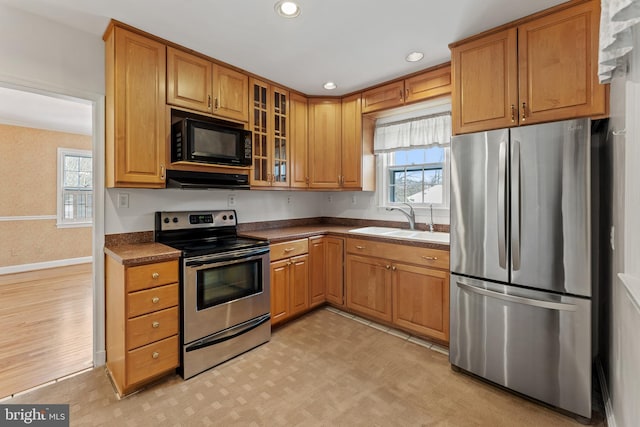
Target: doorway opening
x,y
47,207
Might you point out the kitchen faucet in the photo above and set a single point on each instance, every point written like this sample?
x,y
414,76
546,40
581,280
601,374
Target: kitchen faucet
x,y
411,215
431,221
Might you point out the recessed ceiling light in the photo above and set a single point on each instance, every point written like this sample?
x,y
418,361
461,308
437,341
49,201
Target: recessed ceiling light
x,y
287,8
414,56
330,85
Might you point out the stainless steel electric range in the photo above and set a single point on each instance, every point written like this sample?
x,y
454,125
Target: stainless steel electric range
x,y
225,296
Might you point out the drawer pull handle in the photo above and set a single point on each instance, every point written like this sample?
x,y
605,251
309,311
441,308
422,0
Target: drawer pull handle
x,y
155,355
288,249
359,247
155,300
430,258
155,275
155,325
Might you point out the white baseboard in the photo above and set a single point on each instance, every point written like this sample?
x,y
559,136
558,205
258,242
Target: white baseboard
x,y
608,408
42,265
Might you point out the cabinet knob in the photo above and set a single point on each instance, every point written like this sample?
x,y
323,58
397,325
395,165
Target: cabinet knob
x,y
155,275
155,355
430,258
209,101
524,111
393,268
155,300
216,104
388,267
155,325
513,113
288,249
359,247
400,94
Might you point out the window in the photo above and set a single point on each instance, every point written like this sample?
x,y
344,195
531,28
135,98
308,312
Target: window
x,y
417,176
413,158
75,188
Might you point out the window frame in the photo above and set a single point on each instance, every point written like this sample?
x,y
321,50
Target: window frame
x,y
61,221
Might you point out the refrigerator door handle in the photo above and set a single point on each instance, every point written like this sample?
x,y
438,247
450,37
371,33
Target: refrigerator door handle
x,y
515,204
502,198
520,300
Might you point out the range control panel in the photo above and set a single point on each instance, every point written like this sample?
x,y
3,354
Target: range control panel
x,y
181,220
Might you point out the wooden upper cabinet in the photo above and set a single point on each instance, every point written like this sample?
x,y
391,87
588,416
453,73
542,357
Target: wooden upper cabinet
x,y
269,122
198,84
428,85
485,79
351,161
387,96
558,66
299,143
230,93
544,69
189,79
135,110
325,134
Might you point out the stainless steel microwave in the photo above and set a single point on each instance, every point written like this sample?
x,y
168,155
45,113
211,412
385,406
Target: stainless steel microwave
x,y
207,142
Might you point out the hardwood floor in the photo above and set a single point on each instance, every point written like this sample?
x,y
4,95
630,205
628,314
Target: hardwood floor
x,y
47,326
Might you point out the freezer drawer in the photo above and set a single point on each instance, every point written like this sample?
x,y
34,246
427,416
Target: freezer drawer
x,y
532,342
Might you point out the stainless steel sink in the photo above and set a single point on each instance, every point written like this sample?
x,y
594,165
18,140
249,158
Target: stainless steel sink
x,y
402,234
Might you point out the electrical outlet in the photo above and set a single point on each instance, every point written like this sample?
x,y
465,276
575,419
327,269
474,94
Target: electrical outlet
x,y
289,199
330,199
231,200
123,200
353,199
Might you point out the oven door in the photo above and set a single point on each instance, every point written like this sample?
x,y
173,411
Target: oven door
x,y
224,290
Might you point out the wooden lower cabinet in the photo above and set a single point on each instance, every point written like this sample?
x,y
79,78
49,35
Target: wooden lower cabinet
x,y
326,270
421,300
289,280
142,322
403,285
369,286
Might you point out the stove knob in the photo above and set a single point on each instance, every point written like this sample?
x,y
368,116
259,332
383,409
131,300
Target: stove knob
x,y
175,219
224,217
166,220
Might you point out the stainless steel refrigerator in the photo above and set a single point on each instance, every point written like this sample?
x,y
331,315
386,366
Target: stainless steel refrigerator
x,y
521,260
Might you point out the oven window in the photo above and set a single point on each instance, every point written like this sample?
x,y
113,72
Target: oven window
x,y
226,283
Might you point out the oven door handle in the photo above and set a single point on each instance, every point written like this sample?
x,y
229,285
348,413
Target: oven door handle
x,y
231,258
228,334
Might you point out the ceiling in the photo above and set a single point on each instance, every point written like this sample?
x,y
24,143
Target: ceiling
x,y
354,43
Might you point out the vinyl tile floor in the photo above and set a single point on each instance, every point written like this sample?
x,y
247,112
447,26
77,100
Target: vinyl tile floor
x,y
324,369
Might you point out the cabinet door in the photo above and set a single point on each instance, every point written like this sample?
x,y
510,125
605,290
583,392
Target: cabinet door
x,y
421,300
188,81
135,118
428,85
258,124
325,143
317,270
279,290
279,152
558,66
298,141
369,286
485,91
230,93
334,269
387,96
299,284
351,159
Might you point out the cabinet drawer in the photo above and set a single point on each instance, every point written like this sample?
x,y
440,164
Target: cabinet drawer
x,y
288,249
147,301
152,327
151,275
408,254
151,360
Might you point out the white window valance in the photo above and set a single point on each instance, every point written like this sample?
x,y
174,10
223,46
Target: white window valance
x,y
616,19
425,131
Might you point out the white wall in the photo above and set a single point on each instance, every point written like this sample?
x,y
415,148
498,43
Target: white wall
x,y
622,361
